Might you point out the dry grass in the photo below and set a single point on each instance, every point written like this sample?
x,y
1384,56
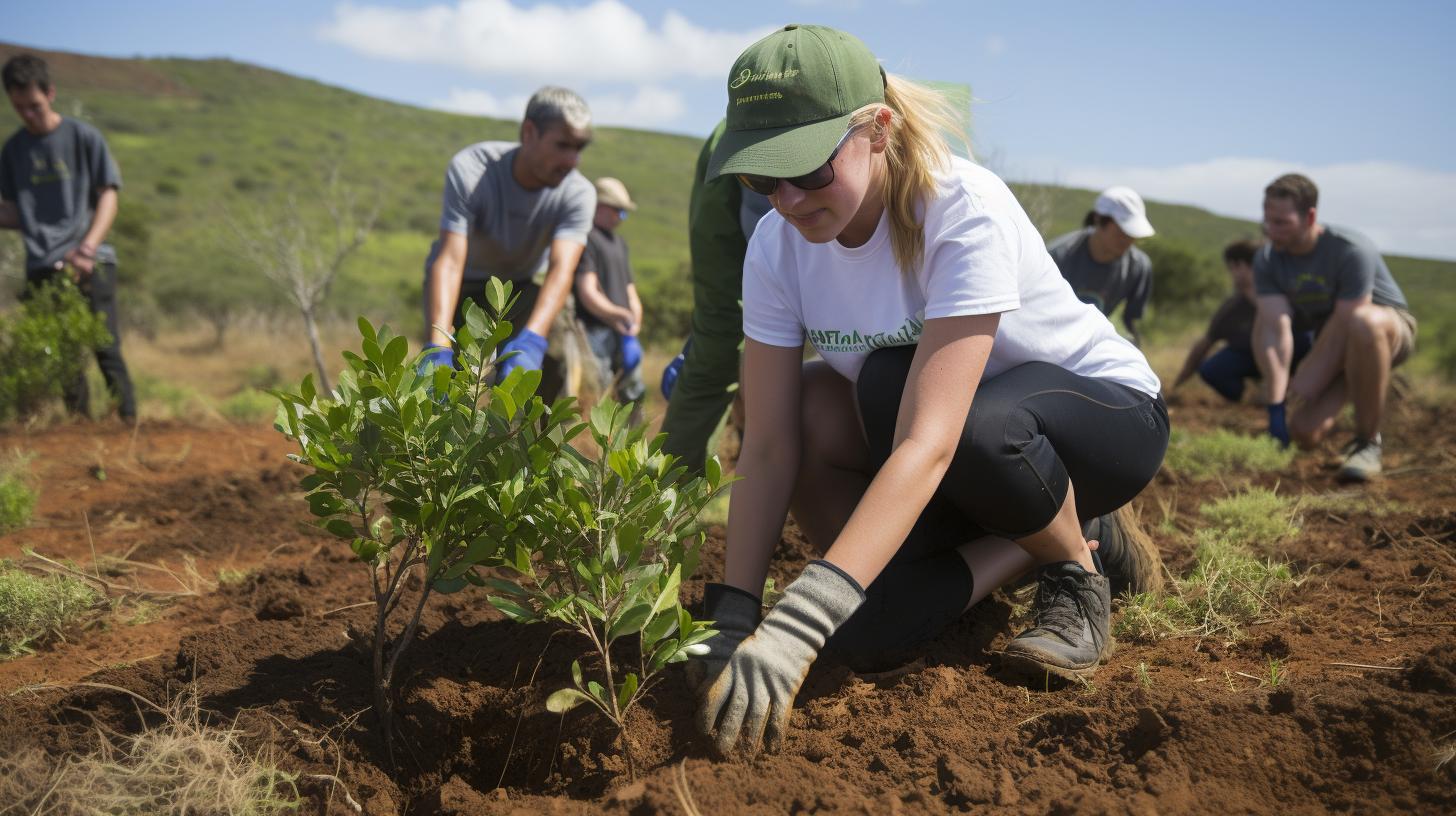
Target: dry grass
x,y
38,608
184,765
1228,589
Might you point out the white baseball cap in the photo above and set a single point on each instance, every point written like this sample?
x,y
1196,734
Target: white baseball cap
x,y
1125,207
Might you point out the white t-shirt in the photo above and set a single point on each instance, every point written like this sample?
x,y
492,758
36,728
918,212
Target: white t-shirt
x,y
982,256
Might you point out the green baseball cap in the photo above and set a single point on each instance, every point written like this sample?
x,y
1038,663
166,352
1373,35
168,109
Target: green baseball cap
x,y
790,98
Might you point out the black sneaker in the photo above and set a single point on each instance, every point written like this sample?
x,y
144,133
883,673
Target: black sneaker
x,y
1072,634
1125,553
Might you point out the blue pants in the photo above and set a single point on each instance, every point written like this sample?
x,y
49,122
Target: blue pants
x,y
1226,371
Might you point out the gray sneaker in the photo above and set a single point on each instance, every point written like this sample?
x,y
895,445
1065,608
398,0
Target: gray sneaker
x,y
1126,554
1071,635
1362,460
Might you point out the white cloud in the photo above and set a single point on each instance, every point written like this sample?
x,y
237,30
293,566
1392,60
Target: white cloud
x,y
1404,209
647,107
476,102
604,41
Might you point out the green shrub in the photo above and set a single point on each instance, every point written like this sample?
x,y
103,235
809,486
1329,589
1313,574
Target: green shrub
x,y
249,405
434,475
618,533
34,609
44,344
1200,456
1188,282
17,497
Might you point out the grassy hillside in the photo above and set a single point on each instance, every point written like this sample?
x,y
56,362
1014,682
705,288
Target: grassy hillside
x,y
204,143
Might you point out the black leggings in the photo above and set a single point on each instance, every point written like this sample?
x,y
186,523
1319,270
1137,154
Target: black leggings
x,y
1031,432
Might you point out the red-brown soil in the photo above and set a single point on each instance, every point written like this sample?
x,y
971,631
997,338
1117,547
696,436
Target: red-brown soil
x,y
279,652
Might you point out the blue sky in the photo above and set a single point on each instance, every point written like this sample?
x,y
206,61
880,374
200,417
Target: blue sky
x,y
1200,103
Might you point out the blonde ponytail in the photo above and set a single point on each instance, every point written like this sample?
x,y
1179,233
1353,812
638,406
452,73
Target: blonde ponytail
x,y
921,118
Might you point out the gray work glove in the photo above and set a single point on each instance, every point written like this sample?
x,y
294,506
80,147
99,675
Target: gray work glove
x,y
735,614
754,694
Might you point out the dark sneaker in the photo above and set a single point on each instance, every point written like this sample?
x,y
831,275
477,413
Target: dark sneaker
x,y
1362,460
1072,634
1128,556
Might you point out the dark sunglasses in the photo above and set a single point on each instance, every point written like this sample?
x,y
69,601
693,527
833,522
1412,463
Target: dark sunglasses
x,y
816,179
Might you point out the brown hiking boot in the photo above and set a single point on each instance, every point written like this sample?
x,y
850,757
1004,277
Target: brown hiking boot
x,y
1129,558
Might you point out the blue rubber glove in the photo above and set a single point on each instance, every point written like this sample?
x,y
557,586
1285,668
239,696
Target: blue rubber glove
x,y
1278,426
631,352
531,351
674,370
434,357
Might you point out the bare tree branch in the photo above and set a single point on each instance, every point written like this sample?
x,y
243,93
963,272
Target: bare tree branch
x,y
302,253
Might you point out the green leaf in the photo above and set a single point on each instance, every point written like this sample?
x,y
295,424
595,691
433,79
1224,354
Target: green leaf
x,y
598,692
512,610
630,622
395,352
508,587
366,549
668,596
658,628
625,693
496,293
576,673
446,586
365,329
564,700
341,528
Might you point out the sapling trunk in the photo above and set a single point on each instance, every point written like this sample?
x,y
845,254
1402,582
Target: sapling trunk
x,y
318,354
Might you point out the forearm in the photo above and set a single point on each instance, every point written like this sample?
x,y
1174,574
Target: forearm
x,y
106,207
1195,358
635,305
596,303
756,511
1274,352
443,296
896,497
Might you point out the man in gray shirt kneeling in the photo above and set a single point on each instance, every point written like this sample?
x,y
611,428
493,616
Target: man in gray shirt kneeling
x,y
513,211
1311,276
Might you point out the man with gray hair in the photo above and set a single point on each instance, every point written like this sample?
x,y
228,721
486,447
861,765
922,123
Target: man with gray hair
x,y
514,211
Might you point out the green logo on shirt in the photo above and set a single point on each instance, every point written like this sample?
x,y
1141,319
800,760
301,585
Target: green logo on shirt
x,y
851,341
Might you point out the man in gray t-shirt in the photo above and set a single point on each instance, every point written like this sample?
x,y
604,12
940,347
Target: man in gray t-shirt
x,y
1332,281
514,212
58,186
1100,262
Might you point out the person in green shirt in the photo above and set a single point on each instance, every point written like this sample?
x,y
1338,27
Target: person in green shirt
x,y
699,383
